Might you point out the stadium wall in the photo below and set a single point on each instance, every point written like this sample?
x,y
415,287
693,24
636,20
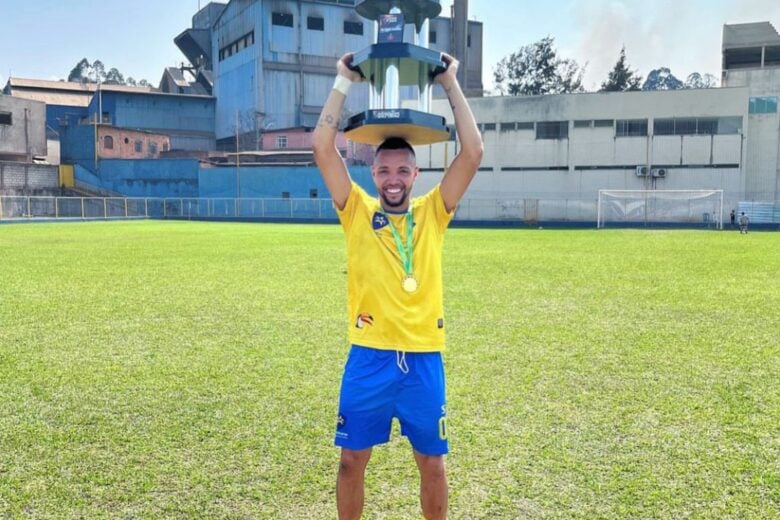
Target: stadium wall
x,y
272,182
143,178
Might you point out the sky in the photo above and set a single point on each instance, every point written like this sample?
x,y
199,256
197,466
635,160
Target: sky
x,y
44,39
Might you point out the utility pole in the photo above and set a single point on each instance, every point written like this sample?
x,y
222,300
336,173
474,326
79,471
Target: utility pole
x,y
238,171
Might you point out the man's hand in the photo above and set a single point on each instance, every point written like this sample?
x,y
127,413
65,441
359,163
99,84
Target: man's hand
x,y
446,78
342,68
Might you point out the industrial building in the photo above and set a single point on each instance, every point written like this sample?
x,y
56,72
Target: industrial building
x,y
274,61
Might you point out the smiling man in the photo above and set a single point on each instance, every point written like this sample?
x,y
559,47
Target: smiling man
x,y
395,304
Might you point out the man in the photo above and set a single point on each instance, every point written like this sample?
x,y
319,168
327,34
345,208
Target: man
x,y
743,223
733,217
394,368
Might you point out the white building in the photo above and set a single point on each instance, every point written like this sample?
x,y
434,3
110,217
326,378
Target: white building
x,y
547,157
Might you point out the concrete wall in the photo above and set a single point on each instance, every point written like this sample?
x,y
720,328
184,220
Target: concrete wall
x,y
27,131
22,177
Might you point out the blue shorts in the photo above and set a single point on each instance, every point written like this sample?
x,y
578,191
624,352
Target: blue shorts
x,y
381,384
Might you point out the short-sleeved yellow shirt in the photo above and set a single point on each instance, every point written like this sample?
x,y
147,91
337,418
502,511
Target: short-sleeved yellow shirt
x,y
382,314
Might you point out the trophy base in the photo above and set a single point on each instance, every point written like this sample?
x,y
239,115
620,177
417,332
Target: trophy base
x,y
417,128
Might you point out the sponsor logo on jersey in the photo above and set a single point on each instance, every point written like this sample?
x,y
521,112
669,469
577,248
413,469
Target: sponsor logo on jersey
x,y
379,221
364,319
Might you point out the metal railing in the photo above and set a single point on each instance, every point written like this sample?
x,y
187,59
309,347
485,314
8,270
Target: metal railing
x,y
529,211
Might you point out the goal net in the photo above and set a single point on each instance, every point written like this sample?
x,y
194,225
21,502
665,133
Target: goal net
x,y
650,208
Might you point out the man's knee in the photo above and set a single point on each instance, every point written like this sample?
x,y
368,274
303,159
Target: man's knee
x,y
431,466
353,462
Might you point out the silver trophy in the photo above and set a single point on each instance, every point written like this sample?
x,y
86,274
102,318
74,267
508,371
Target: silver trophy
x,y
390,64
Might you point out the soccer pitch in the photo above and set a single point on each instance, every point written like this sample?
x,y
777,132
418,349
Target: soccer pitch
x,y
178,369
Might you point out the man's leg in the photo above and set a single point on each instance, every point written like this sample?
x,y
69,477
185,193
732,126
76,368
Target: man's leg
x,y
433,485
350,483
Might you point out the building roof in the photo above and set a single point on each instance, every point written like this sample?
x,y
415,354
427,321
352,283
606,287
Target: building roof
x,y
750,35
177,76
73,86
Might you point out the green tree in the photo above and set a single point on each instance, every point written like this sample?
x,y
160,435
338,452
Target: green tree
x,y
621,78
536,69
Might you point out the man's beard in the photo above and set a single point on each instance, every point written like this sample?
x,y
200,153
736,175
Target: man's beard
x,y
400,202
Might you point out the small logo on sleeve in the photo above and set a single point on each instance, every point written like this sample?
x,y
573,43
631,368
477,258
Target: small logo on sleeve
x,y
440,323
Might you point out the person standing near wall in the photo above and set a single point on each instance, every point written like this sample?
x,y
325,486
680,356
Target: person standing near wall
x,y
394,283
743,223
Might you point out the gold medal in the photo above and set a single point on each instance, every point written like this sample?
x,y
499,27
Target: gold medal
x,y
410,283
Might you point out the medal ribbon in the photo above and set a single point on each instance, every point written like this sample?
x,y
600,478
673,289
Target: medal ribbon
x,y
404,252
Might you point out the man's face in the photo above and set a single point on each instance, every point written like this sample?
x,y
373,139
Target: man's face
x,y
394,172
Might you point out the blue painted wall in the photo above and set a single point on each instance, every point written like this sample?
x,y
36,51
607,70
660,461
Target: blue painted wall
x,y
271,182
77,143
62,114
189,120
143,177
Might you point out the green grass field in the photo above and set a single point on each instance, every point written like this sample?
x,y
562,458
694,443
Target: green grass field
x,y
176,369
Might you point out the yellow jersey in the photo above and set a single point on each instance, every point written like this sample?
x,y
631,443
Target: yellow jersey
x,y
383,315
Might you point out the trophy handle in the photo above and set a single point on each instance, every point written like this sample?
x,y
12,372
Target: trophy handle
x,y
439,68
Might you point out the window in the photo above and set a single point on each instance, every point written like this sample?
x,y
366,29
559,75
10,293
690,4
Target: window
x,y
432,37
285,194
108,142
603,123
281,141
282,19
166,147
707,126
685,126
127,141
585,123
552,130
506,127
663,127
315,23
6,118
468,41
763,105
729,125
525,125
313,193
631,128
353,27
152,148
139,146
489,126
237,45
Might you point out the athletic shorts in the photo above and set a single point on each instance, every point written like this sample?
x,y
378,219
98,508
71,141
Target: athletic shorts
x,y
381,384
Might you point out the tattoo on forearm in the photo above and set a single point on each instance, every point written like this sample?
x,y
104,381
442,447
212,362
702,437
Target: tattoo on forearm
x,y
329,121
449,91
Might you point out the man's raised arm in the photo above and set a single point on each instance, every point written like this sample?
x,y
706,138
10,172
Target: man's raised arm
x,y
463,168
326,155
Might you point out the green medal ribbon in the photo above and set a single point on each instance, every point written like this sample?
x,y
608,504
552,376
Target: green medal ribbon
x,y
404,252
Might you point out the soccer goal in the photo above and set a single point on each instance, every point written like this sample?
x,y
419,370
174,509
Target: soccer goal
x,y
650,208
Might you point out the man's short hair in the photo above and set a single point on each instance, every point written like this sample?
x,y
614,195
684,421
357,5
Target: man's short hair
x,y
395,143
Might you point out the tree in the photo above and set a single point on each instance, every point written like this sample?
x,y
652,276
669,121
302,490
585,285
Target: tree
x,y
662,79
696,80
621,78
86,72
114,77
99,71
536,69
80,71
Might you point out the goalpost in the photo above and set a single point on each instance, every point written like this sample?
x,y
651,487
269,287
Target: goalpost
x,y
648,208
